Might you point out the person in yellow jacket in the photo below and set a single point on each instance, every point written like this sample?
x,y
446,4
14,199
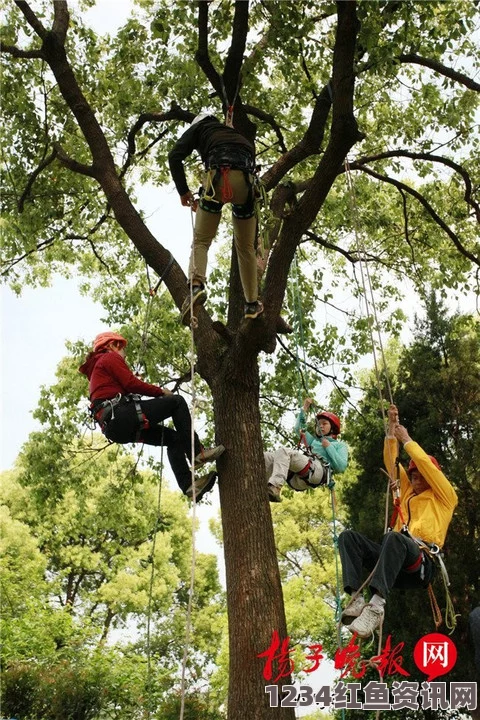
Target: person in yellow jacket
x,y
427,502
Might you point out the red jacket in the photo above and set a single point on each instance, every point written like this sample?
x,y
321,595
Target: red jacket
x,y
109,375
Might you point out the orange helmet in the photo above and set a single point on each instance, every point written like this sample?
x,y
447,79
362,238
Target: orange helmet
x,y
413,466
105,338
333,419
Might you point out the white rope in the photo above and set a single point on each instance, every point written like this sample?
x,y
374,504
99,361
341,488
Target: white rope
x,y
194,498
366,279
152,578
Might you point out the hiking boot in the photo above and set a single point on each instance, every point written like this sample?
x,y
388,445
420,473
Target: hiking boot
x,y
208,455
274,493
199,296
369,620
353,610
253,309
202,485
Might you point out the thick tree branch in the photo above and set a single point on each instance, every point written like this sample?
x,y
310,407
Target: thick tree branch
x,y
441,69
236,52
31,18
202,55
430,158
310,144
424,202
17,52
61,20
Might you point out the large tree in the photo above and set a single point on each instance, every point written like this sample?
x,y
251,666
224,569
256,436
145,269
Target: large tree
x,y
87,117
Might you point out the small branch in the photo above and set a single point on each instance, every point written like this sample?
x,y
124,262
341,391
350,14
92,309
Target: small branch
x,y
423,201
269,120
430,158
441,69
33,177
38,247
16,52
175,113
324,243
72,164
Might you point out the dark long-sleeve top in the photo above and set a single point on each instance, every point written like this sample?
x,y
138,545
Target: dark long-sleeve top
x,y
203,137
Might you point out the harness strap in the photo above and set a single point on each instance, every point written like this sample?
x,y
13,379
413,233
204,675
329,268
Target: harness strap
x,y
416,564
103,411
227,190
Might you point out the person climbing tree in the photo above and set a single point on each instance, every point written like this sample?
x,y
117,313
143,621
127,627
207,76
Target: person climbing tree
x,y
401,560
124,418
303,471
229,160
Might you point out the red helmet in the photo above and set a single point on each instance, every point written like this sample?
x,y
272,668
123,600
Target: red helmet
x,y
333,419
105,338
413,466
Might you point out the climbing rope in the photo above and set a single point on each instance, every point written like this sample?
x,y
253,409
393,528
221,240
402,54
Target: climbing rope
x,y
304,382
372,315
193,325
158,522
303,379
152,292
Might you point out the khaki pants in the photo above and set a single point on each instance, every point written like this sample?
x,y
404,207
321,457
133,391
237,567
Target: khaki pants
x,y
206,225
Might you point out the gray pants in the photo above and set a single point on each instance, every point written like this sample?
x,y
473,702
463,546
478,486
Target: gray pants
x,y
284,460
395,553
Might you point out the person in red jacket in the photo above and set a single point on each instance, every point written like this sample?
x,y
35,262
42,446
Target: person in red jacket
x,y
124,418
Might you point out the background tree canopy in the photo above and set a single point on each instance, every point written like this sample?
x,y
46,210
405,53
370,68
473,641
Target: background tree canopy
x,y
89,118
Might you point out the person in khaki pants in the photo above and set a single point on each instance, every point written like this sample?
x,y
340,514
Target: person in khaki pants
x,y
229,160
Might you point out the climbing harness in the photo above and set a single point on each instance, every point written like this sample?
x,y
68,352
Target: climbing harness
x,y
103,412
306,477
220,161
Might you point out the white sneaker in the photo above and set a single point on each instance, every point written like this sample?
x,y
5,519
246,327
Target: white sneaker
x,y
353,610
202,485
208,455
369,620
274,493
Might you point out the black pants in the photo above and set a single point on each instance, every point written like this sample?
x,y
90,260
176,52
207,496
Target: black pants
x,y
124,425
395,553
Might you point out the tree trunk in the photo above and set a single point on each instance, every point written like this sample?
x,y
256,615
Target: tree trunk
x,y
254,592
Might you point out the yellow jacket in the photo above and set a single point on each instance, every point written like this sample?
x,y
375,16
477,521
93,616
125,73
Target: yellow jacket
x,y
428,514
